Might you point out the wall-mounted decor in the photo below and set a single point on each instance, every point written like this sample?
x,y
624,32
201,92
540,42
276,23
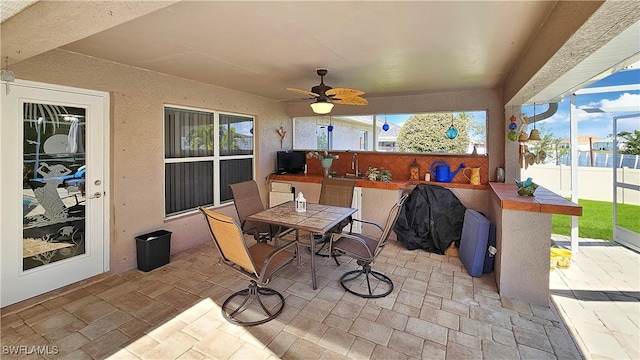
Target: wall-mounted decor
x,y
282,134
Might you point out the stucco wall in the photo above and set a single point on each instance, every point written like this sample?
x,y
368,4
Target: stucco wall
x,y
136,189
594,183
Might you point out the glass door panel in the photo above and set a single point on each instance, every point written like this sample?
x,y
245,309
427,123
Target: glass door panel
x,y
53,183
626,196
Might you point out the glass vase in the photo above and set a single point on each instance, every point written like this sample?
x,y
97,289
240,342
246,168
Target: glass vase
x,y
326,165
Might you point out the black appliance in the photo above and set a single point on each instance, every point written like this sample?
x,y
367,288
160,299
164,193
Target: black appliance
x,y
290,162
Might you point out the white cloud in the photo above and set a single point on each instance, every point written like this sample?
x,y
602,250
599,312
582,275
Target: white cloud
x,y
585,116
624,100
558,118
629,124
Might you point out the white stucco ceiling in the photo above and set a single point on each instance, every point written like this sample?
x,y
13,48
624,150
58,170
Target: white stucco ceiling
x,y
382,48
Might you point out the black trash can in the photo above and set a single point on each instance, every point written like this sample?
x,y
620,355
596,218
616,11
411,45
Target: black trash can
x,y
153,249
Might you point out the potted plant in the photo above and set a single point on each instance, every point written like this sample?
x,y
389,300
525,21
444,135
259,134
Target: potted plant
x,y
385,175
372,173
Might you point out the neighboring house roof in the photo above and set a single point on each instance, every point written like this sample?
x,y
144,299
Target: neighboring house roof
x,y
581,139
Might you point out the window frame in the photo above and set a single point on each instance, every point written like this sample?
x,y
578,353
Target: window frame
x,y
216,158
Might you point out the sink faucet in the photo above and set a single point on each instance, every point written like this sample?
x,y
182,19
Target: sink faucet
x,y
354,164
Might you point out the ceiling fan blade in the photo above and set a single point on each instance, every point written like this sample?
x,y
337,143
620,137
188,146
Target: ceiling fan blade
x,y
343,92
354,100
294,100
305,92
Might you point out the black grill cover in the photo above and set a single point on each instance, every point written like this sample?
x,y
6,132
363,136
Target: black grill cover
x,y
431,219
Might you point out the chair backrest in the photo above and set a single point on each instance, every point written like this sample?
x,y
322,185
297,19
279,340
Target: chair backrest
x,y
391,220
246,198
336,192
227,235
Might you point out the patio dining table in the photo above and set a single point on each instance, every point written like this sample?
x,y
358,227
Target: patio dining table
x,y
317,219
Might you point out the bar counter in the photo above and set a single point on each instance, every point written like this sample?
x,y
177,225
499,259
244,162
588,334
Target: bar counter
x,y
523,237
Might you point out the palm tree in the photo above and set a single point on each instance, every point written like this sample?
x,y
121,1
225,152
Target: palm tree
x,y
632,146
228,137
201,137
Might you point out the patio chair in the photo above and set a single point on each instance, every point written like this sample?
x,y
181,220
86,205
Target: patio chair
x,y
334,192
256,304
247,200
365,250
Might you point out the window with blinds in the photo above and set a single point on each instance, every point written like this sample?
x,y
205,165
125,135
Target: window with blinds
x,y
205,152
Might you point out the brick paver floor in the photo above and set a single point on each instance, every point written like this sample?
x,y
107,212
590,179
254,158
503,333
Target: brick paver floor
x,y
598,297
436,311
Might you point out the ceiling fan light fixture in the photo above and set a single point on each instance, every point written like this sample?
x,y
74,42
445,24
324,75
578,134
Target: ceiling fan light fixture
x,y
326,96
321,107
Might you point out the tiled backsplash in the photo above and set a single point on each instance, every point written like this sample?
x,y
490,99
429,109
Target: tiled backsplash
x,y
399,164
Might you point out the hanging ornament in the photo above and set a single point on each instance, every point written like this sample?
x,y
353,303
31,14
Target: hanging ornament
x,y
330,127
534,135
385,126
7,75
452,133
513,128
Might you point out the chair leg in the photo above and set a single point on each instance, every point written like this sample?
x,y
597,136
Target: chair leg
x,y
323,242
249,296
350,276
322,251
333,253
335,258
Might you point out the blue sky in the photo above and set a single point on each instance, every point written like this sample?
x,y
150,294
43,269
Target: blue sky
x,y
598,125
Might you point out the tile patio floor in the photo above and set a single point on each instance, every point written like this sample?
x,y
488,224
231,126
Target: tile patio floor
x,y
598,297
436,311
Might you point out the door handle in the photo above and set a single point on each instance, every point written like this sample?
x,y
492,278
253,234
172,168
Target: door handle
x,y
97,195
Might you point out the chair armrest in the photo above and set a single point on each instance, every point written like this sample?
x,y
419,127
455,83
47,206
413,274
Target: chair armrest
x,y
272,254
370,223
352,237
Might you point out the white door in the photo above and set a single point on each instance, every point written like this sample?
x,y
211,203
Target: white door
x,y
626,190
54,154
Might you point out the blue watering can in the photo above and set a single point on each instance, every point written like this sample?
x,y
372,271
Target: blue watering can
x,y
441,173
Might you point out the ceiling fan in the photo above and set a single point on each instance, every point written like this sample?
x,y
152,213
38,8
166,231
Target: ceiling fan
x,y
326,96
